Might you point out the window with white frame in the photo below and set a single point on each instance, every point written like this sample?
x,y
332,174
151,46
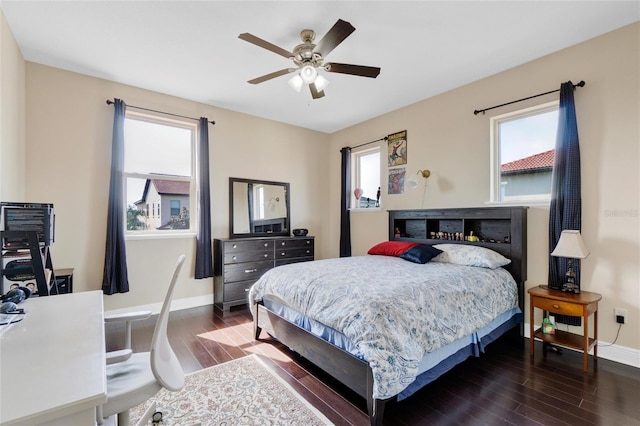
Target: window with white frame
x,y
522,154
159,171
365,170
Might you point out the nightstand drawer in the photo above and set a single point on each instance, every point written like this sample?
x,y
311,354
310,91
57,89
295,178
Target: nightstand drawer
x,y
558,307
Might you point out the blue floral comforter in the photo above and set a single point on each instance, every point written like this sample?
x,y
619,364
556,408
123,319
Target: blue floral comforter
x,y
394,311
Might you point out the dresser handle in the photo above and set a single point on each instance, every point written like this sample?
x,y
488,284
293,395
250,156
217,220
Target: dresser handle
x,y
308,251
266,244
556,306
235,246
248,271
233,258
283,254
266,255
283,244
246,289
308,242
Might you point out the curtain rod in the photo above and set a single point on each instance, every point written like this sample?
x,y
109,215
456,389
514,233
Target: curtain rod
x,y
367,143
478,111
110,102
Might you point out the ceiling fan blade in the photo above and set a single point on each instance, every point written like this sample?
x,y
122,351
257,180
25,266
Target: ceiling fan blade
x,y
360,70
315,94
336,35
264,44
271,75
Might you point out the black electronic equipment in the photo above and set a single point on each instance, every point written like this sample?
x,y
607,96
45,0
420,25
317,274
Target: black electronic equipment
x,y
301,232
35,217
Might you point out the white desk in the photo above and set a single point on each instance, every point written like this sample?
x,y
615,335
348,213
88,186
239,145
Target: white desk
x,y
52,363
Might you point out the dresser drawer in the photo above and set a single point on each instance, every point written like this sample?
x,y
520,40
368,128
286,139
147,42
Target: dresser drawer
x,y
237,291
246,271
252,245
291,243
558,307
293,252
280,262
248,256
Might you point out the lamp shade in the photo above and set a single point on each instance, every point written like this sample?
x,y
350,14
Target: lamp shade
x,y
308,74
570,245
296,83
321,83
412,182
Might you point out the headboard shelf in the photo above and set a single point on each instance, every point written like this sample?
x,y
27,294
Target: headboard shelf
x,y
502,229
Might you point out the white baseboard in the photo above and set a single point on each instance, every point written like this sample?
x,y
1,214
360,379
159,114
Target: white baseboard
x,y
176,305
606,350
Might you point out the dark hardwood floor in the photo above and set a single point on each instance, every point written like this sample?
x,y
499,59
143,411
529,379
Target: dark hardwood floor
x,y
504,386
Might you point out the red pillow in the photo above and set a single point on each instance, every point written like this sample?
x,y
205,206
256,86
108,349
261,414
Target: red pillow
x,y
391,248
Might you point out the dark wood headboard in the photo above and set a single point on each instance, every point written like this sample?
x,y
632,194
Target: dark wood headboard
x,y
502,229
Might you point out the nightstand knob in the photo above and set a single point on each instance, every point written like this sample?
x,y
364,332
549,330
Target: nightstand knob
x,y
233,258
556,306
235,246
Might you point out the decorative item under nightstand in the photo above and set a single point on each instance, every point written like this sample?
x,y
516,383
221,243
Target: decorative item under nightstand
x,y
564,303
572,247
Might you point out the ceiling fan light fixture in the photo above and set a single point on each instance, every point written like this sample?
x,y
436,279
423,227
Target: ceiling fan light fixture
x,y
321,83
296,83
308,74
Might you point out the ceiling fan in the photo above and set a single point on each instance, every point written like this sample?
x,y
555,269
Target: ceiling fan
x,y
309,58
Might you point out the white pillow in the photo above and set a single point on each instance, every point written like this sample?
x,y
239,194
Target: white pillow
x,y
466,254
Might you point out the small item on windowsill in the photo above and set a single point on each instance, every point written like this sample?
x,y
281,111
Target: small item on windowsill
x,y
548,327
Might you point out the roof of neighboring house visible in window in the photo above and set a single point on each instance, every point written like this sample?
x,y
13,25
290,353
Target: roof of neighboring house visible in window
x,y
171,187
543,160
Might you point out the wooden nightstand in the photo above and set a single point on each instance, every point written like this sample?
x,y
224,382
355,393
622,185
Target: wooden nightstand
x,y
558,302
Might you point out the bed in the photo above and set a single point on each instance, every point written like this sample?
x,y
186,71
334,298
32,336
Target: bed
x,y
446,306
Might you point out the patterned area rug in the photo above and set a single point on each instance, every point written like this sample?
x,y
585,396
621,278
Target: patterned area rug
x,y
239,392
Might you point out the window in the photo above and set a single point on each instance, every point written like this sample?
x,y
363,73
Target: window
x,y
159,170
522,154
175,207
366,177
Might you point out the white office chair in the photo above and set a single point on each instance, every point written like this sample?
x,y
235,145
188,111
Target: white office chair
x,y
141,375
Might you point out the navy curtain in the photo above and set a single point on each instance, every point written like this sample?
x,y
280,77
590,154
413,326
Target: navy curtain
x,y
204,255
345,198
566,201
115,278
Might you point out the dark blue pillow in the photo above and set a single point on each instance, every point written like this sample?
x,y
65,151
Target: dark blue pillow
x,y
421,253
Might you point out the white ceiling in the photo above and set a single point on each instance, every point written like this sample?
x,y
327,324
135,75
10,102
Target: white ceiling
x,y
190,49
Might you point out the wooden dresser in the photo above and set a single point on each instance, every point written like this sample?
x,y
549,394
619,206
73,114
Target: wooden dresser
x,y
239,262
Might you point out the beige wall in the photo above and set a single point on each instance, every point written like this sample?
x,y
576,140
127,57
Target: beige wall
x,y
69,130
12,116
445,137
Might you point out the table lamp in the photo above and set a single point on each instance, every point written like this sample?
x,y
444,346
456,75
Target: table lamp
x,y
572,247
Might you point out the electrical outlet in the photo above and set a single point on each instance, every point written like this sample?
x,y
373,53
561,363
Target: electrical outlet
x,y
620,315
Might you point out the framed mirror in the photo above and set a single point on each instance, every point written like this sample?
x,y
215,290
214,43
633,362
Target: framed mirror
x,y
258,208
